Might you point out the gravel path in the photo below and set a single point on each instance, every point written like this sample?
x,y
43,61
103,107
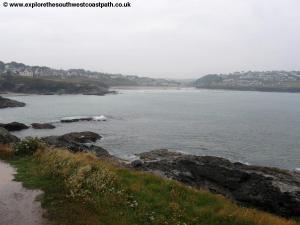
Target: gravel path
x,y
18,206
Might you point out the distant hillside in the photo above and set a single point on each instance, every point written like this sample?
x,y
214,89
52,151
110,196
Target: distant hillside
x,y
20,69
29,85
282,81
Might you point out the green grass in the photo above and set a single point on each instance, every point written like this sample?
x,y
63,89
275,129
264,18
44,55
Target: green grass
x,y
172,203
60,209
135,197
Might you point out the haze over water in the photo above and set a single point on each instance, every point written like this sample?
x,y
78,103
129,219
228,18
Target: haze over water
x,y
255,127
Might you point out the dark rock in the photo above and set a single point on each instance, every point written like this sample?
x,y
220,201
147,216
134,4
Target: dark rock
x,y
14,126
77,142
86,118
6,137
158,154
71,139
54,140
98,150
269,189
137,163
72,120
42,126
8,103
81,137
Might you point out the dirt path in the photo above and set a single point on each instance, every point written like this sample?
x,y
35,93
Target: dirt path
x,y
17,204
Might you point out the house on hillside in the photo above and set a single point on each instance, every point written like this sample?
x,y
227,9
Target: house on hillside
x,y
26,73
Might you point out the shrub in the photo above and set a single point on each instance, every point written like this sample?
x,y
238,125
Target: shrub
x,y
6,152
27,146
82,173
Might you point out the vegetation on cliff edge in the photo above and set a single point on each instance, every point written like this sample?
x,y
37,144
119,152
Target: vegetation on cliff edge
x,y
81,189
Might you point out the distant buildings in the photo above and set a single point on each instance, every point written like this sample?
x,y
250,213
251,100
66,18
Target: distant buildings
x,y
250,79
20,69
26,73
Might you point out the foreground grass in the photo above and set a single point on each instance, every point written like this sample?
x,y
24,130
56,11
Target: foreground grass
x,y
83,190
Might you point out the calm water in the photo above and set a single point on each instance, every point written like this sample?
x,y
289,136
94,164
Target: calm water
x,y
254,127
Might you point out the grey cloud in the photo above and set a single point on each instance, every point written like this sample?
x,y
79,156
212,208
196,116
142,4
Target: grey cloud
x,y
158,38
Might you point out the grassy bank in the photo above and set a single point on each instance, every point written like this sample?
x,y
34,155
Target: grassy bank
x,y
81,189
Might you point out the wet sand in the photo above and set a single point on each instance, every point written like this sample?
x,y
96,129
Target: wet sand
x,y
18,205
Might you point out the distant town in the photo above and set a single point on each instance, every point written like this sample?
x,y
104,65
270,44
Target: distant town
x,y
282,81
262,81
20,69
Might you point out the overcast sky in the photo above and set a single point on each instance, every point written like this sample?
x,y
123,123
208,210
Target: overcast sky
x,y
157,38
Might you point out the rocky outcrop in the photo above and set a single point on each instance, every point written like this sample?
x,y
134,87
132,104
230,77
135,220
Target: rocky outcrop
x,y
98,150
77,142
14,126
6,137
269,189
42,126
72,120
8,103
81,137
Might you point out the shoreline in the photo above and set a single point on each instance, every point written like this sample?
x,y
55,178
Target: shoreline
x,y
248,90
270,189
264,188
113,90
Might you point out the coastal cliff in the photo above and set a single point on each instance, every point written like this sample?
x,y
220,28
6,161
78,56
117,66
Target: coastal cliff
x,y
81,186
270,189
29,85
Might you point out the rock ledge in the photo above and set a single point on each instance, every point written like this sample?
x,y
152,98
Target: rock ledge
x,y
8,103
270,189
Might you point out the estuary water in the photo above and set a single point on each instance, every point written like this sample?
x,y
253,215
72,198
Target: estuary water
x,y
251,127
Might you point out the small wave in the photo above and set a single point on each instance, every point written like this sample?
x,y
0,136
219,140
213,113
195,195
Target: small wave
x,y
99,118
129,157
297,169
82,118
244,162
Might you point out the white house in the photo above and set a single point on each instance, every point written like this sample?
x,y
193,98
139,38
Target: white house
x,y
26,73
